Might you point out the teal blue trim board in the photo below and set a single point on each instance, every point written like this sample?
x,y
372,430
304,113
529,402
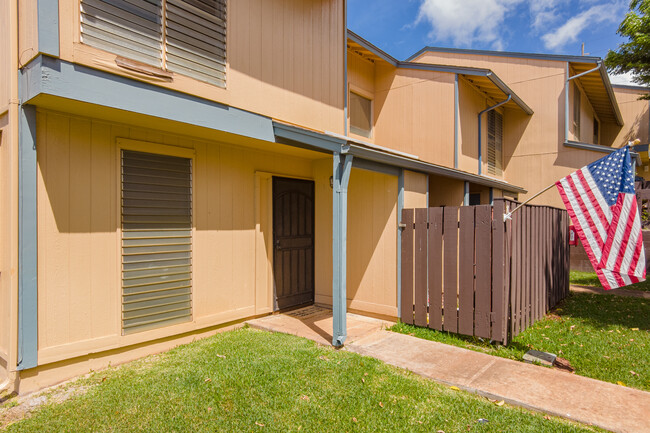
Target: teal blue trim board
x,y
49,76
27,241
342,167
48,27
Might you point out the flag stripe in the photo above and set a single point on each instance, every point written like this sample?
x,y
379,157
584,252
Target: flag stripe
x,y
590,213
601,202
597,204
603,207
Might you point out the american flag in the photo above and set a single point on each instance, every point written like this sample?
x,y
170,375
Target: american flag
x,y
601,202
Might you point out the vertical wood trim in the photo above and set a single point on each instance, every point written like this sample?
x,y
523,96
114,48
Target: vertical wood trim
x,y
435,267
466,271
406,312
450,294
420,267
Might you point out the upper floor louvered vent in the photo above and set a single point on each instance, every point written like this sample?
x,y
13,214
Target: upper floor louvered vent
x,y
187,37
495,142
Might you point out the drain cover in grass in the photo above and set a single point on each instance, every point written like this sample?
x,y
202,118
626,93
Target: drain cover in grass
x,y
543,358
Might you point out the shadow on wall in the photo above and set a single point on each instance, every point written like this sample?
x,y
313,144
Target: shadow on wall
x,y
288,44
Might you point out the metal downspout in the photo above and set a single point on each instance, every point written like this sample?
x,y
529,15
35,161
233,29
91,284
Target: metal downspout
x,y
566,96
480,161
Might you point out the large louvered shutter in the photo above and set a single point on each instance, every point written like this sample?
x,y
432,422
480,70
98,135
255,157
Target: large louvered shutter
x,y
130,28
156,240
196,39
189,38
495,142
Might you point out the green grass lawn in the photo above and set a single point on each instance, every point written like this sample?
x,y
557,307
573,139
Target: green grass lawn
x,y
603,337
590,279
253,381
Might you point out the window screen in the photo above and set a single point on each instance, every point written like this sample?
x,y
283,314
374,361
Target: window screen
x,y
495,142
596,131
360,115
183,36
577,102
156,241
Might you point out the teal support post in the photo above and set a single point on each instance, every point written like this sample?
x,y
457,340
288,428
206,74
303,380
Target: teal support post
x,y
341,178
27,241
400,206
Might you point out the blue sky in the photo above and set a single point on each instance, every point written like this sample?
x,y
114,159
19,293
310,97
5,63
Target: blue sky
x,y
402,27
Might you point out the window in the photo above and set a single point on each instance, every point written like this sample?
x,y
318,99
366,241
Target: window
x,y
494,142
577,102
183,36
596,131
156,240
360,115
474,198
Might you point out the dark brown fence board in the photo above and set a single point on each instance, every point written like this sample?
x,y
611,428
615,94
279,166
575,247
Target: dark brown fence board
x,y
498,269
466,271
518,291
435,268
450,239
478,275
526,268
483,295
406,313
420,267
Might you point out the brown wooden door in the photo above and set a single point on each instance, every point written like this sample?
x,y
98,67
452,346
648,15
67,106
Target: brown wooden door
x,y
293,242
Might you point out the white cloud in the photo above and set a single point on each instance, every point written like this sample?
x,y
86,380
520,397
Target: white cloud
x,y
544,13
571,29
622,79
464,22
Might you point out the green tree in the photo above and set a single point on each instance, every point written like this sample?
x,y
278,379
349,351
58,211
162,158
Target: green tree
x,y
634,55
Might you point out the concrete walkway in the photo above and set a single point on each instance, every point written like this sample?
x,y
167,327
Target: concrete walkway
x,y
553,392
617,292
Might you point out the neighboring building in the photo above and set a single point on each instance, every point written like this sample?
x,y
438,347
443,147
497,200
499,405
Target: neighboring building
x,y
577,117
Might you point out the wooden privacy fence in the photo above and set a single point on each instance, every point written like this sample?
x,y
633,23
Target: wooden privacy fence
x,y
466,271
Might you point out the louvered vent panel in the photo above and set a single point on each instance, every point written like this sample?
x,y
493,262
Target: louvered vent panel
x,y
196,39
156,241
130,28
495,142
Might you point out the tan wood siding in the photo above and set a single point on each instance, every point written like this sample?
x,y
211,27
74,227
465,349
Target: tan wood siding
x,y
636,116
414,113
372,241
284,60
533,153
6,313
79,231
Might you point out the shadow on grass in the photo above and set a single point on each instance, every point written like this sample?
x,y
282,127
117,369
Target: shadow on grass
x,y
604,311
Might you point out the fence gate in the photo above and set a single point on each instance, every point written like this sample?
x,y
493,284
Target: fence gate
x,y
466,271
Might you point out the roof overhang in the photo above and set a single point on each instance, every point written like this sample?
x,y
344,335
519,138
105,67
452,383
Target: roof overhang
x,y
483,79
329,143
598,89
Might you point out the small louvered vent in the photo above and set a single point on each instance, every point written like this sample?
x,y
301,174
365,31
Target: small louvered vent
x,y
196,39
129,28
495,142
156,241
187,37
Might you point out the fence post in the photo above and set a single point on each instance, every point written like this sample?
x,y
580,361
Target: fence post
x,y
406,313
499,308
420,267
